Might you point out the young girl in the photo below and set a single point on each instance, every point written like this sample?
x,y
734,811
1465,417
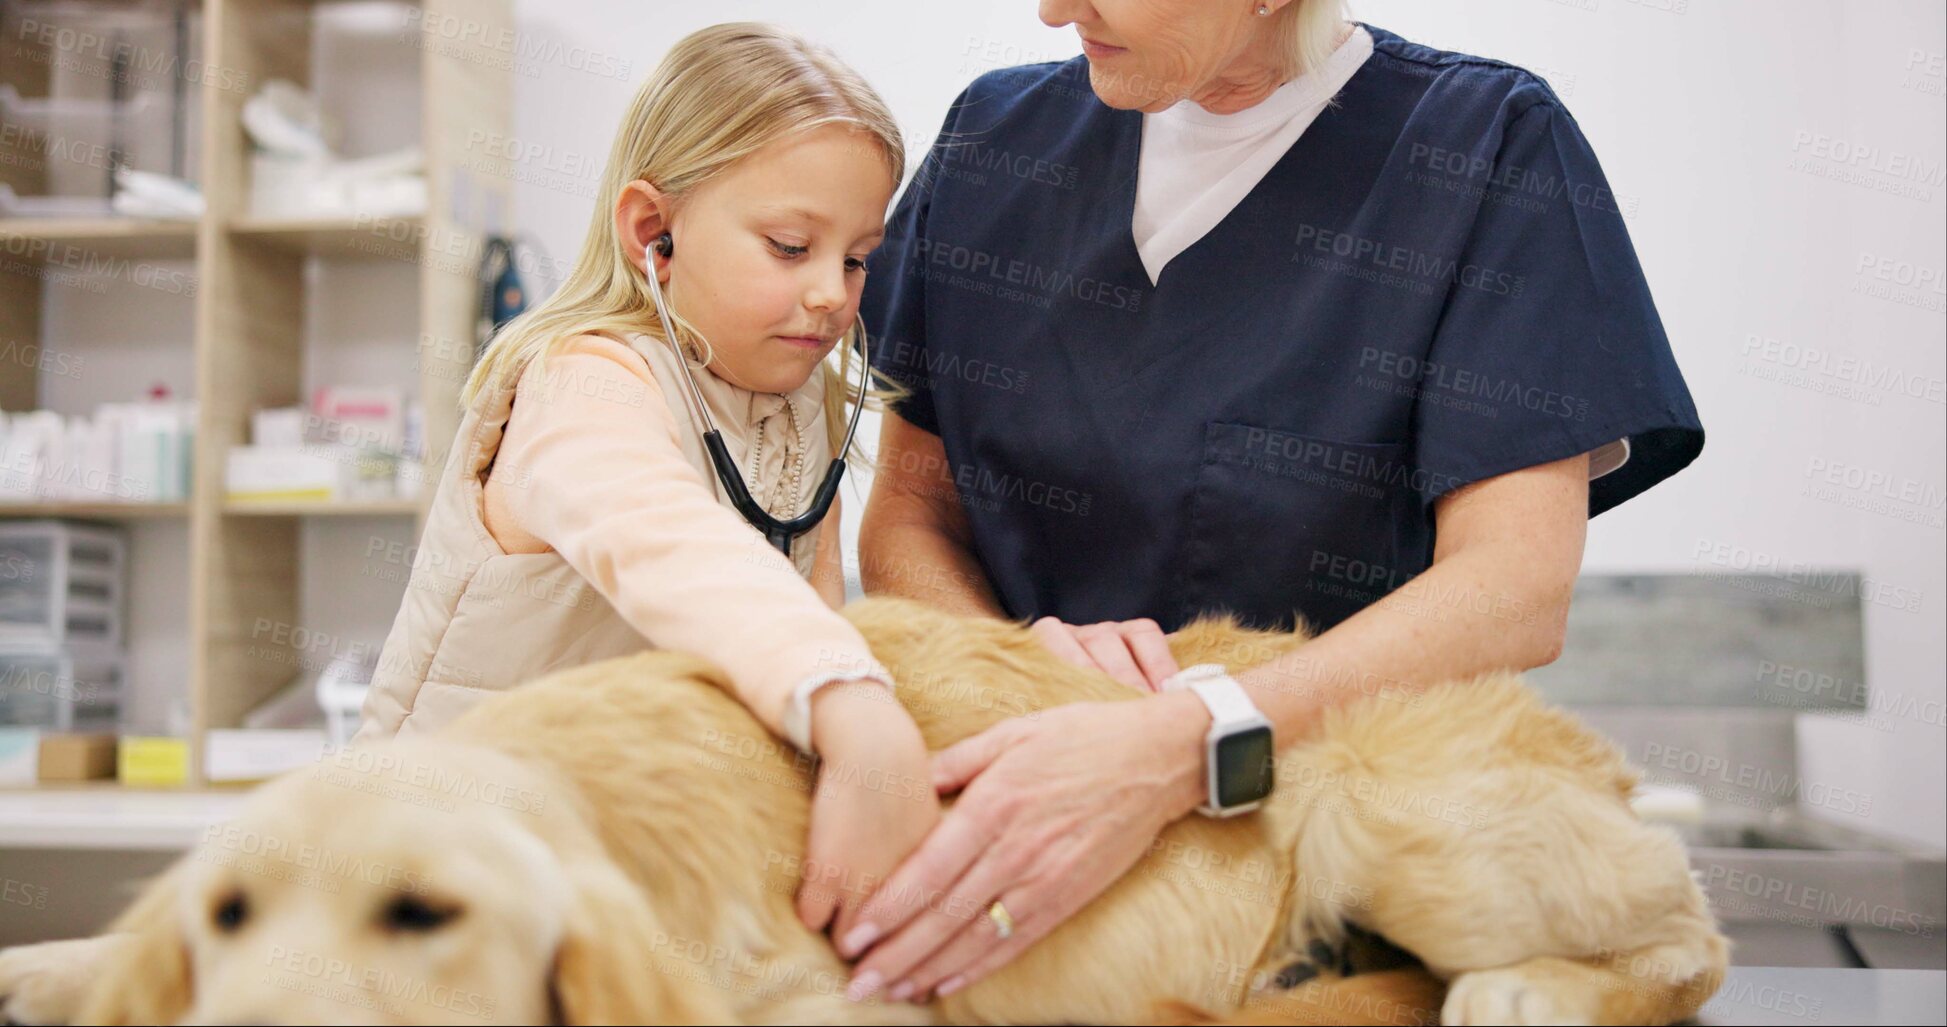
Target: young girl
x,y
578,516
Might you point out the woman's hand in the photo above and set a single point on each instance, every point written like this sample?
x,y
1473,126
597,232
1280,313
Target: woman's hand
x,y
874,801
1053,809
1134,652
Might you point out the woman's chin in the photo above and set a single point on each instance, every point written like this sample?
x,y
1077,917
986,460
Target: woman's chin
x,y
1124,91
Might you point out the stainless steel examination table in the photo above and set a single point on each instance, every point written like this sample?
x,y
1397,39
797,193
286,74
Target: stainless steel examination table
x,y
1827,995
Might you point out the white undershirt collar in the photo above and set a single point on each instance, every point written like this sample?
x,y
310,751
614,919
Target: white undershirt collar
x,y
1195,167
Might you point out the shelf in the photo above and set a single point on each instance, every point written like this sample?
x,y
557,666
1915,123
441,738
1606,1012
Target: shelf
x,y
321,508
106,815
384,238
253,310
100,511
41,113
114,237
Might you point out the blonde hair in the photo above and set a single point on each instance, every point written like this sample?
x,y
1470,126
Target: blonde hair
x,y
719,95
1308,30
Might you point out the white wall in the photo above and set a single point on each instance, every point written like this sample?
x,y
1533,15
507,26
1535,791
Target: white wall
x,y
1708,116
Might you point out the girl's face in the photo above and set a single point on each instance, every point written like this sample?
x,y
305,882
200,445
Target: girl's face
x,y
769,255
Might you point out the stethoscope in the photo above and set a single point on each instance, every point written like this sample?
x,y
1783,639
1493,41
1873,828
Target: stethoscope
x,y
778,532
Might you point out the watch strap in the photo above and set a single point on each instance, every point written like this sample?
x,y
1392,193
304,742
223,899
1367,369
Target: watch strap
x,y
1228,702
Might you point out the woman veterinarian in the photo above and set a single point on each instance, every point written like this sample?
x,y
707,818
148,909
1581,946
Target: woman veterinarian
x,y
1250,309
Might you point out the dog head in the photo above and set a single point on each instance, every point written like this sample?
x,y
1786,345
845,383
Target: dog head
x,y
404,883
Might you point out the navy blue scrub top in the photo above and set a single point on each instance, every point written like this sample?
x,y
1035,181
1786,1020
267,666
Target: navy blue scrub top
x,y
1433,286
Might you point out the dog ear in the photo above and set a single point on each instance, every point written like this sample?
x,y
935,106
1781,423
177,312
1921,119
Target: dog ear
x,y
145,979
616,964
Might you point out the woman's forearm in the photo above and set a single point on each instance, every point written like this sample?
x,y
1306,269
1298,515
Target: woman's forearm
x,y
1463,616
914,540
828,564
905,557
1495,598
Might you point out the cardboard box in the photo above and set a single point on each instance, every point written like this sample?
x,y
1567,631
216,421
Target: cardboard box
x,y
77,757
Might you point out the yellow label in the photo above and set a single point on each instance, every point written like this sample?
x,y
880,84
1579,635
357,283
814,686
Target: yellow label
x,y
155,762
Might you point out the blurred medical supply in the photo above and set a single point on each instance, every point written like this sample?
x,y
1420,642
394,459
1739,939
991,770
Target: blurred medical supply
x,y
62,657
145,194
295,173
349,444
136,452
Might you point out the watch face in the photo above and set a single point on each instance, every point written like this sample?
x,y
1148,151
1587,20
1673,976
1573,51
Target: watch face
x,y
1244,767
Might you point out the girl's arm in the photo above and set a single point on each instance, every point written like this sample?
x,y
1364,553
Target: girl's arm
x,y
590,464
605,483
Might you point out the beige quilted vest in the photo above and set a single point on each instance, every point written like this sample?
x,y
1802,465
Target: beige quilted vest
x,y
476,620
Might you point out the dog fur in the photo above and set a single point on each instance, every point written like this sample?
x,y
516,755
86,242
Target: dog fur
x,y
620,843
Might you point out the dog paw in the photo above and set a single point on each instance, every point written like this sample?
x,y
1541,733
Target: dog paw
x,y
46,983
1511,996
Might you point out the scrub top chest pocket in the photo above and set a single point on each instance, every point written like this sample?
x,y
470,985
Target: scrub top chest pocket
x,y
1292,523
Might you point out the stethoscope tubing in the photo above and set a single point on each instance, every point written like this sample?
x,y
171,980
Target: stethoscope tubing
x,y
779,533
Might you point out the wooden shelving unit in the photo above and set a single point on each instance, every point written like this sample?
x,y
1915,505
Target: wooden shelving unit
x,y
244,557
96,511
130,238
346,508
389,239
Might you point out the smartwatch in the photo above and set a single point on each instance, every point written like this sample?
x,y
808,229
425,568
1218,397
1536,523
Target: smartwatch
x,y
1238,749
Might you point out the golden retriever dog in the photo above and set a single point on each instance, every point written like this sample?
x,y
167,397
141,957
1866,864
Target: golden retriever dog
x,y
621,842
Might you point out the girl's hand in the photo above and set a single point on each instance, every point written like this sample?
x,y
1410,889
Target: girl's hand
x,y
1054,809
1134,652
873,804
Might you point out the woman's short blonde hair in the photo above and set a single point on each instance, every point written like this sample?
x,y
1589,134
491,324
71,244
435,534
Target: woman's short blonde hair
x,y
721,94
1309,29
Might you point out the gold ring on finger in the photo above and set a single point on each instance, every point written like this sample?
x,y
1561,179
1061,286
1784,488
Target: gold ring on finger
x,y
1003,923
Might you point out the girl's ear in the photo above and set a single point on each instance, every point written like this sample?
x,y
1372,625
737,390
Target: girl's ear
x,y
642,214
146,979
